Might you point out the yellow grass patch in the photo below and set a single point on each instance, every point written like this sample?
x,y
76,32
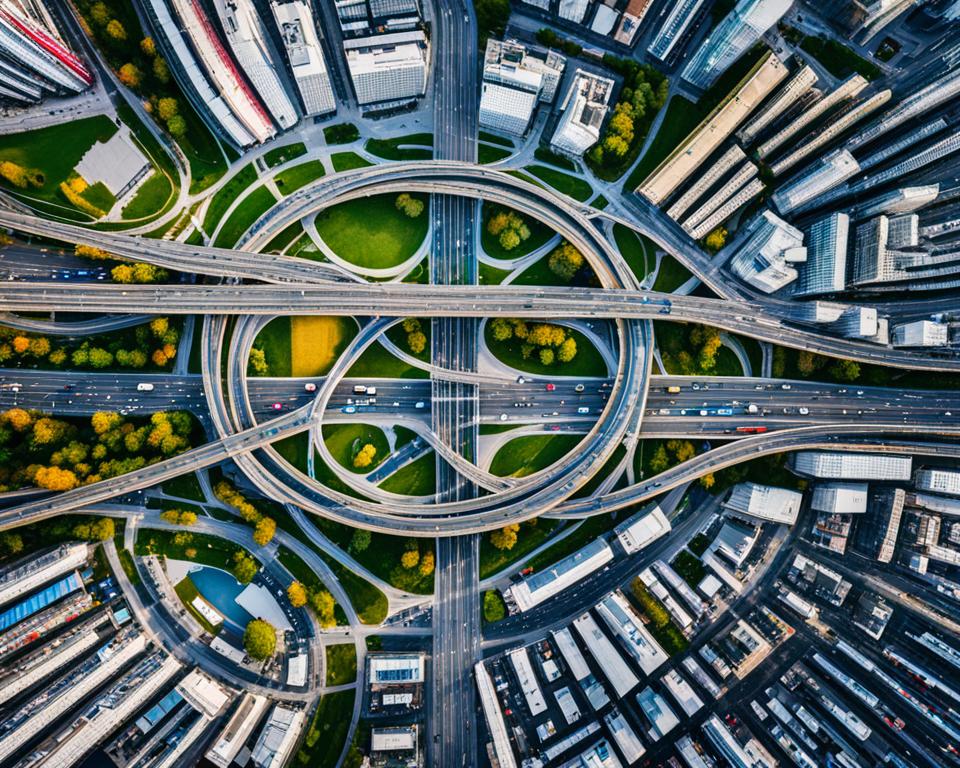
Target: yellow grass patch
x,y
315,343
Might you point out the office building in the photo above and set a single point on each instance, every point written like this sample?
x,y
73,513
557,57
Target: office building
x,y
360,18
735,541
388,68
660,717
514,81
882,252
852,466
825,270
238,729
611,662
642,529
28,574
897,201
386,669
805,187
631,632
540,586
250,43
871,16
726,745
630,21
921,333
938,480
393,746
764,502
693,151
298,32
793,91
673,27
766,260
739,30
583,111
278,737
840,498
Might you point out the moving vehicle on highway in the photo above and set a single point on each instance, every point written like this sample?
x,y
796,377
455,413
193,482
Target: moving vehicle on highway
x,y
310,387
143,387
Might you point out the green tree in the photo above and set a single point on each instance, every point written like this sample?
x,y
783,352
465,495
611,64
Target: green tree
x,y
493,607
162,72
360,540
417,341
297,594
323,605
567,350
565,261
244,567
167,107
547,356
846,370
505,538
716,240
260,640
177,125
115,31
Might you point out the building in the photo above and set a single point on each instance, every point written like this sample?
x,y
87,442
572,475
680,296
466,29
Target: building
x,y
730,39
298,32
278,737
852,466
786,98
872,614
815,578
514,82
882,252
393,746
248,39
573,10
642,529
938,480
840,498
904,200
630,21
682,692
395,681
735,541
31,572
726,745
765,502
809,184
583,111
536,588
520,661
766,260
691,154
825,270
493,715
611,662
35,62
388,68
591,687
627,740
360,18
674,27
237,730
660,717
921,333
630,630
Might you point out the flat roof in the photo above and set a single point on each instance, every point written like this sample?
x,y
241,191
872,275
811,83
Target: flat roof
x,y
538,587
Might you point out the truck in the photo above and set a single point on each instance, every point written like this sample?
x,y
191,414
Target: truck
x,y
142,387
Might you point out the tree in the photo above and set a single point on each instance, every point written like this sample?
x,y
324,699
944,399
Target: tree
x,y
15,174
492,17
501,329
547,356
264,531
493,607
11,543
115,31
708,481
660,460
258,362
417,341
509,239
846,370
365,456
297,594
505,538
129,75
177,126
567,350
244,567
409,205
260,640
148,47
55,479
410,559
100,13
91,252
716,239
427,563
360,540
162,72
565,261
614,145
323,605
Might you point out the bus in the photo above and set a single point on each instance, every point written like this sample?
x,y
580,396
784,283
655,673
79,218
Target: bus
x,y
751,430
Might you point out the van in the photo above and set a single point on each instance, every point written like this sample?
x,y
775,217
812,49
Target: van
x,y
359,389
583,409
144,387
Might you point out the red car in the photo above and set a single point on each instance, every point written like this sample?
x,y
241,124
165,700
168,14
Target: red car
x,y
277,406
551,387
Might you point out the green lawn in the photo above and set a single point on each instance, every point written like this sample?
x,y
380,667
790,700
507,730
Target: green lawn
x,y
282,155
251,208
371,232
838,59
487,154
150,198
588,361
540,233
491,275
546,155
410,147
589,530
300,570
636,250
53,152
492,138
347,161
298,176
689,567
274,340
418,478
187,592
530,536
341,133
341,663
539,273
523,456
327,733
377,362
671,275
224,197
282,240
345,440
185,487
211,550
572,186
399,337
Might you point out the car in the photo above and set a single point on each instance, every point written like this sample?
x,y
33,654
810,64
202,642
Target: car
x,y
583,409
579,388
68,387
804,410
396,403
551,387
277,406
521,380
555,428
503,417
144,387
785,386
695,386
419,404
349,409
859,391
310,387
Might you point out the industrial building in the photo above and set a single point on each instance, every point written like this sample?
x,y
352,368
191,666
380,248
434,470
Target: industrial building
x,y
591,687
361,18
793,91
825,270
238,730
393,746
395,681
583,111
278,737
691,154
660,717
642,529
764,502
515,80
766,259
731,38
294,19
624,622
388,68
534,589
920,333
852,466
26,575
627,740
608,658
35,62
938,480
840,498
735,541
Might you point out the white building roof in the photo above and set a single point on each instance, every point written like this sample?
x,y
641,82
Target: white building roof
x,y
630,745
297,670
615,669
735,540
682,692
840,498
203,693
642,529
403,739
626,625
661,717
536,588
583,111
853,466
520,660
395,669
765,502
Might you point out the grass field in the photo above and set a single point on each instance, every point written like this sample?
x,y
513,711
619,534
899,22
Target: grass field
x,y
282,155
211,550
187,592
639,255
251,208
282,240
274,339
672,275
564,183
184,486
371,232
487,154
410,147
540,233
588,361
224,197
529,538
492,138
838,59
341,663
150,198
378,362
327,733
491,275
316,343
347,161
298,176
418,478
344,440
525,455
